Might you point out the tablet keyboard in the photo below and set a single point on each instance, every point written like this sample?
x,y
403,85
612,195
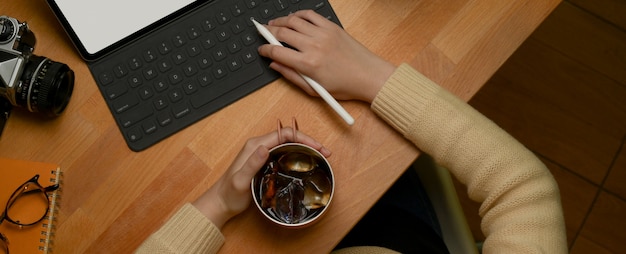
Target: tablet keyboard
x,y
190,68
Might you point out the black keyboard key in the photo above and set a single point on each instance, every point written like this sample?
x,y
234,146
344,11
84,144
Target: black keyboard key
x,y
181,110
146,93
223,34
238,28
223,17
125,103
313,5
160,85
266,12
175,95
164,48
116,91
120,70
280,4
135,81
150,74
175,78
237,9
160,103
134,135
135,115
190,69
179,58
235,64
164,65
164,119
208,42
194,50
219,54
179,40
208,24
135,63
190,87
204,62
249,57
149,55
252,3
193,33
149,127
106,78
234,46
205,79
249,39
219,72
326,12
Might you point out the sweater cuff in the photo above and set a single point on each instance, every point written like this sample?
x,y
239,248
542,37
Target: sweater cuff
x,y
189,231
403,97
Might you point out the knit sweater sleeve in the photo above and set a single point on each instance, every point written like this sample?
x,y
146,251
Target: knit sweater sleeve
x,y
520,203
188,231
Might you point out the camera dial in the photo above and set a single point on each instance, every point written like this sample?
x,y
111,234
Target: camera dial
x,y
7,30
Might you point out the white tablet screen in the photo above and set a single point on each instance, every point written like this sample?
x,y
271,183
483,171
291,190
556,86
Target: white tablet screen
x,y
98,24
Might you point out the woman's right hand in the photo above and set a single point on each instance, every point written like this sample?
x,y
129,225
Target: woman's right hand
x,y
327,54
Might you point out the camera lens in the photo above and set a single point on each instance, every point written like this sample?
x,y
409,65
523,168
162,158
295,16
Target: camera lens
x,y
46,86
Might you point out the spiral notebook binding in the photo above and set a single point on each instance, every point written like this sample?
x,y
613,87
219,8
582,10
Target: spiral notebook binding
x,y
47,234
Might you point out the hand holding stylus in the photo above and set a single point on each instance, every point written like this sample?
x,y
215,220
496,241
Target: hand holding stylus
x,y
316,86
326,53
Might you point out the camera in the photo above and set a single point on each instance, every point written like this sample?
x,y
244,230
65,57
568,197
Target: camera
x,y
33,82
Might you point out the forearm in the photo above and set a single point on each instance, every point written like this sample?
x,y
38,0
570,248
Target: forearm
x,y
188,231
521,207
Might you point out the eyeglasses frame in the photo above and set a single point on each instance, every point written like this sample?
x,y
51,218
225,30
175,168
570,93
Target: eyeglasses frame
x,y
16,194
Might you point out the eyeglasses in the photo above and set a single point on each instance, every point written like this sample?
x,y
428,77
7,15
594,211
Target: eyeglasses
x,y
27,206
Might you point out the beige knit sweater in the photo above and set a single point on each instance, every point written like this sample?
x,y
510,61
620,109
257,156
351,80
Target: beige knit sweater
x,y
521,208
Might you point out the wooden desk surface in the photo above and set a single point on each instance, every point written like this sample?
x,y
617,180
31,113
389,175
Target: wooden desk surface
x,y
114,198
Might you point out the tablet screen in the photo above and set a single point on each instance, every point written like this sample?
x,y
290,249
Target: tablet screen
x,y
95,25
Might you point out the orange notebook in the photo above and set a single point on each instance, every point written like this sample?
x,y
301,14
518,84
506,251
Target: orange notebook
x,y
36,238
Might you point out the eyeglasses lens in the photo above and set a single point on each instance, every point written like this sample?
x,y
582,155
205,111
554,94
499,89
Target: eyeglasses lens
x,y
28,205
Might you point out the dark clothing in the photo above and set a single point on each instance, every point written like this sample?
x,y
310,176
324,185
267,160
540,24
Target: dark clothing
x,y
402,220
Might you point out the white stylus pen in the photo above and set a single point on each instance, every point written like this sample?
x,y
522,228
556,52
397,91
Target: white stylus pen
x,y
316,86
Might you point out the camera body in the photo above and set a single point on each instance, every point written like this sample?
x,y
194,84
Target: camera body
x,y
27,80
17,43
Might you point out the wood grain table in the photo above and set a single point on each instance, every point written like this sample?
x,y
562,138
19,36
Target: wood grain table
x,y
114,198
